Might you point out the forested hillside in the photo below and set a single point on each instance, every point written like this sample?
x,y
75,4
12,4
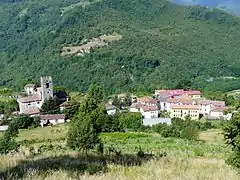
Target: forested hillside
x,y
162,44
231,6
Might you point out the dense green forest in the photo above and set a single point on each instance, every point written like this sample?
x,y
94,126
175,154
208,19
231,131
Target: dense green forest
x,y
163,46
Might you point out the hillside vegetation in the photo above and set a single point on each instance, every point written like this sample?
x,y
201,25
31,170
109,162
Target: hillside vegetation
x,y
162,44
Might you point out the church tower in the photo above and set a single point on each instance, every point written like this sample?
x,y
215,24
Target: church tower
x,y
46,87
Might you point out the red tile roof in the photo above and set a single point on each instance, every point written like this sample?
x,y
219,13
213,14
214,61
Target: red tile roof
x,y
136,105
147,100
186,107
149,108
178,92
181,100
174,92
196,92
32,98
52,116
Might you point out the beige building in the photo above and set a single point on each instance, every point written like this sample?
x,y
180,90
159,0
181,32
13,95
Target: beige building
x,y
182,111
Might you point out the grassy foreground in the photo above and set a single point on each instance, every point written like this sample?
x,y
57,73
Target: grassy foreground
x,y
203,159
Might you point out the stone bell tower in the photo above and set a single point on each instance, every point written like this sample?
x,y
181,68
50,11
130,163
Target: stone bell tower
x,y
46,87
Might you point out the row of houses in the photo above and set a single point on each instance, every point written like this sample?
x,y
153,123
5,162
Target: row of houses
x,y
180,103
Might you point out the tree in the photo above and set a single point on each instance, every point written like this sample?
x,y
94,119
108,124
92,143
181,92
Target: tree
x,y
130,120
82,135
93,107
232,137
117,102
7,142
50,106
128,100
71,109
24,121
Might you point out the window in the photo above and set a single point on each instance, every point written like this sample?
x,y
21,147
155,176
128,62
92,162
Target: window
x,y
29,104
47,85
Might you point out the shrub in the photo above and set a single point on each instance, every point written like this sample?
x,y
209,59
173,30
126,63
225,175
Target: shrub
x,y
179,128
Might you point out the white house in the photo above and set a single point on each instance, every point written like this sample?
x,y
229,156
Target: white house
x,y
164,104
111,109
149,111
218,113
207,105
52,119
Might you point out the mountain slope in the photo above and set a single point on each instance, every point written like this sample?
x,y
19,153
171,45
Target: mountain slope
x,y
231,6
162,44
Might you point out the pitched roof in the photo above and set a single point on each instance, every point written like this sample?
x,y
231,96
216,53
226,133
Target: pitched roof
x,y
186,107
147,99
171,92
178,92
209,102
149,108
195,92
32,98
181,100
52,116
32,111
136,105
219,109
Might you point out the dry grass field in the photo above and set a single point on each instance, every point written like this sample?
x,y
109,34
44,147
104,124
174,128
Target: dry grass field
x,y
185,160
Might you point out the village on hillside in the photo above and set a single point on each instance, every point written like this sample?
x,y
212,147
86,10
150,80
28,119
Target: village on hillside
x,y
161,107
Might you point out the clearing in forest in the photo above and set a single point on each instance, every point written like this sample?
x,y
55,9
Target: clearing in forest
x,y
92,43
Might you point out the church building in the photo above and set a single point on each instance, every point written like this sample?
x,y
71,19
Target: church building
x,y
31,104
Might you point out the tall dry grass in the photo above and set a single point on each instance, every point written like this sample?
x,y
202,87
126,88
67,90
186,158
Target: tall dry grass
x,y
167,168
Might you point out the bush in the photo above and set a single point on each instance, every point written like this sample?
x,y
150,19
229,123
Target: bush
x,y
179,128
